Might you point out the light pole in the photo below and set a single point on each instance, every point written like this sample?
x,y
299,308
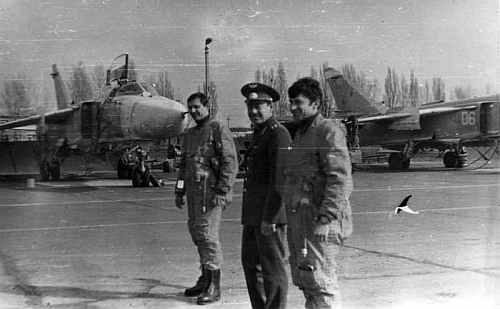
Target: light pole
x,y
207,41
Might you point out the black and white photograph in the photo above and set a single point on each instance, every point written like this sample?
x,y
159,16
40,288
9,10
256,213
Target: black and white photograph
x,y
257,154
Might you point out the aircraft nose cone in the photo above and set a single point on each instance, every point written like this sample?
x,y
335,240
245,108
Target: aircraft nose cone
x,y
158,118
183,114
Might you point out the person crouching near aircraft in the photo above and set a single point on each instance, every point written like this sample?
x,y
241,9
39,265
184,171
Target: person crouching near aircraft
x,y
208,168
263,213
317,187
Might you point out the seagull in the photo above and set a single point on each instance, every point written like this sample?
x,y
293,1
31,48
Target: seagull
x,y
403,207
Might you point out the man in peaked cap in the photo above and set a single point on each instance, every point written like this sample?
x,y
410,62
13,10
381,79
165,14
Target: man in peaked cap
x,y
259,92
263,214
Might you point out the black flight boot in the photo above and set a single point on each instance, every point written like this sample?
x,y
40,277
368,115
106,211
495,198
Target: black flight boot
x,y
199,286
211,292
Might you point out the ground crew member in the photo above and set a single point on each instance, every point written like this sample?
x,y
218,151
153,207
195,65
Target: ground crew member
x,y
263,213
351,125
317,187
208,168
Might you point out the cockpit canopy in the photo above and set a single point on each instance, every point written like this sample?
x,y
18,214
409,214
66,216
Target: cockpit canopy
x,y
136,88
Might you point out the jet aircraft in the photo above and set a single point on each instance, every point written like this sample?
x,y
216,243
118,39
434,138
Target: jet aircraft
x,y
406,130
110,125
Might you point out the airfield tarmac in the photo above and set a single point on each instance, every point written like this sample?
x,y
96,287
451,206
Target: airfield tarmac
x,y
97,242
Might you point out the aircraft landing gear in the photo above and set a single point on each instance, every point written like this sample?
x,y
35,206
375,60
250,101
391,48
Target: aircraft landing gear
x,y
455,158
397,161
401,160
141,179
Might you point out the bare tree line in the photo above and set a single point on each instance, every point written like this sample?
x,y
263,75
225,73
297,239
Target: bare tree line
x,y
19,95
398,89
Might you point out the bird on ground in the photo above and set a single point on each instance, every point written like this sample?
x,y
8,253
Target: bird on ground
x,y
404,207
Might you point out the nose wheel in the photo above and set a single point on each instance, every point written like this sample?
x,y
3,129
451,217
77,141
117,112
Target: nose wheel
x,y
453,159
397,161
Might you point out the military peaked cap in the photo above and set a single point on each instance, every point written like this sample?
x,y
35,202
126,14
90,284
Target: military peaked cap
x,y
259,92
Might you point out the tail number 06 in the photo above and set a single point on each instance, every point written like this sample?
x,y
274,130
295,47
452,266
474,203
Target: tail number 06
x,y
468,118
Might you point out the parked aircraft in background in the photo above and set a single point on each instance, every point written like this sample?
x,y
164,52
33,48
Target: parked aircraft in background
x,y
111,125
406,130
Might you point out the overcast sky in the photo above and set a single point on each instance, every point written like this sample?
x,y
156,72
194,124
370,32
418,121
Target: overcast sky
x,y
457,40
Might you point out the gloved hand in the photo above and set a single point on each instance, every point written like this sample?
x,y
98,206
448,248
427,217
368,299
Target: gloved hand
x,y
179,200
220,200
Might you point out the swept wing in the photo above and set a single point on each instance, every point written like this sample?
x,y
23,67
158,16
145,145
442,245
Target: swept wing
x,y
50,118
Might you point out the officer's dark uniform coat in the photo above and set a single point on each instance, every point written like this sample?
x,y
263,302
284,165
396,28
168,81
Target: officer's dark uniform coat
x,y
261,200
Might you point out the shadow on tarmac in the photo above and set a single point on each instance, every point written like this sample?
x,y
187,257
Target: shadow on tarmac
x,y
34,295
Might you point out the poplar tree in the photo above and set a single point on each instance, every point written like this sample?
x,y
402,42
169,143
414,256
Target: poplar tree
x,y
16,95
80,85
327,107
438,89
391,86
461,93
163,85
98,79
276,80
404,91
414,99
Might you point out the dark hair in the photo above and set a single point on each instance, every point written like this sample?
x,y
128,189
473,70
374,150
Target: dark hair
x,y
308,87
199,95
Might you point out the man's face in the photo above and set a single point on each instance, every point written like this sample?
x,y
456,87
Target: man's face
x,y
197,110
259,111
302,108
114,84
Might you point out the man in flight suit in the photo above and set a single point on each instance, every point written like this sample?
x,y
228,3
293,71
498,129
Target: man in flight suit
x,y
208,169
263,213
318,184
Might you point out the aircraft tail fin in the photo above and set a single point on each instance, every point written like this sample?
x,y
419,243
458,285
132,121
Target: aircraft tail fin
x,y
62,95
349,97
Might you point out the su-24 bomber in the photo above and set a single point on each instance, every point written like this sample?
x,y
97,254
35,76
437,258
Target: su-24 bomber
x,y
115,123
449,126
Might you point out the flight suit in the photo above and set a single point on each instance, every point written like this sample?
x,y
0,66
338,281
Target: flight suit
x,y
317,183
263,256
208,165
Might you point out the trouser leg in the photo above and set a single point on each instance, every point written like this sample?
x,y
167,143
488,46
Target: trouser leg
x,y
204,230
263,259
250,259
272,253
319,283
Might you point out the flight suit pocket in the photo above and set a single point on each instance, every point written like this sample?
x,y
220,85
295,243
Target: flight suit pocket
x,y
311,276
342,227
